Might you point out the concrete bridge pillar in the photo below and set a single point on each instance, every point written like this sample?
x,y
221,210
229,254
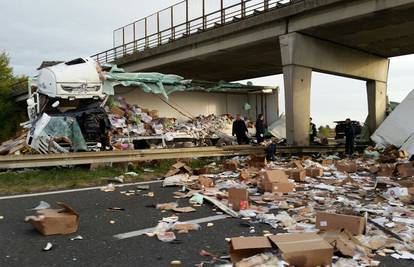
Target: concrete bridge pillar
x,y
302,54
377,104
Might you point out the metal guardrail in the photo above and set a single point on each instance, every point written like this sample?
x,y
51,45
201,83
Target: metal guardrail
x,y
81,158
181,20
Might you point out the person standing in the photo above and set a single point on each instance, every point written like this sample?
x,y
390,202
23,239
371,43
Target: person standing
x,y
260,129
240,130
312,132
349,137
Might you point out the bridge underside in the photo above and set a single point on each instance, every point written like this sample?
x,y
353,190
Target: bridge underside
x,y
243,62
386,32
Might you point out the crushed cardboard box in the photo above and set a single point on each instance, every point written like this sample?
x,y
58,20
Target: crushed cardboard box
x,y
55,221
304,249
244,247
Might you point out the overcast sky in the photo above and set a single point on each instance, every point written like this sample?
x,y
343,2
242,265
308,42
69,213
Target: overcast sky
x,y
33,31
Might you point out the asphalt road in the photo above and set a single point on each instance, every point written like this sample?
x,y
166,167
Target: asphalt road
x,y
21,245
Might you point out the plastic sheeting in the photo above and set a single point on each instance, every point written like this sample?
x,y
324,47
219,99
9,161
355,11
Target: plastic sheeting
x,y
157,83
398,127
66,127
151,82
278,128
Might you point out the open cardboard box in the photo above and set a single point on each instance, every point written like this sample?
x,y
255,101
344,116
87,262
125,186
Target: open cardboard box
x,y
55,221
244,247
301,250
331,221
304,249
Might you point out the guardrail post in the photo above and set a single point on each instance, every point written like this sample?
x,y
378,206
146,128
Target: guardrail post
x,y
243,8
266,4
146,32
223,14
187,23
106,56
134,37
172,23
123,41
158,28
204,15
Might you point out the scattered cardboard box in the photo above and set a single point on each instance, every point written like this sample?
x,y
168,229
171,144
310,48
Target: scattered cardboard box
x,y
386,169
304,249
297,164
346,166
178,168
326,162
55,221
276,181
405,169
314,172
244,247
257,161
238,198
332,221
299,175
230,165
206,182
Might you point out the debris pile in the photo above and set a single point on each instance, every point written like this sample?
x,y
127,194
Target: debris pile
x,y
130,122
321,212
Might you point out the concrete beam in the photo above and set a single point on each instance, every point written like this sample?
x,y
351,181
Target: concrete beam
x,y
377,104
327,57
297,104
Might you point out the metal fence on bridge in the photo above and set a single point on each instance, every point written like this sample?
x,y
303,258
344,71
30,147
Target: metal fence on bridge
x,y
181,20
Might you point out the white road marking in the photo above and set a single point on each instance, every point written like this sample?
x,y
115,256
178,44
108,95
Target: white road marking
x,y
72,190
152,229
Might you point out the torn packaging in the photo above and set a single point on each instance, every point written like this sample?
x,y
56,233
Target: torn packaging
x,y
304,250
386,169
406,169
238,198
55,221
344,242
331,221
276,181
244,247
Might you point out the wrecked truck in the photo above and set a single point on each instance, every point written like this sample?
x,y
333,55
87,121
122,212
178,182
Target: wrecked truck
x,y
71,108
65,108
66,103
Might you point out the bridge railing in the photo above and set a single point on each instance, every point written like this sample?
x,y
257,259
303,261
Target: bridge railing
x,y
181,20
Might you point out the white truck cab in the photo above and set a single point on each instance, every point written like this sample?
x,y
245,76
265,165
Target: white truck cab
x,y
76,79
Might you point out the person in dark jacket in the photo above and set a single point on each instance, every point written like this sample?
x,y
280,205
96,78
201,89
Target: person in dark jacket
x,y
312,132
240,130
260,128
349,137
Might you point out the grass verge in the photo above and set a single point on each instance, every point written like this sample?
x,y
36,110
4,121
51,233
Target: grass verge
x,y
40,180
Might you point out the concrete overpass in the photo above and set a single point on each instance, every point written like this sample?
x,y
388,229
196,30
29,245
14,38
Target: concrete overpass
x,y
351,38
